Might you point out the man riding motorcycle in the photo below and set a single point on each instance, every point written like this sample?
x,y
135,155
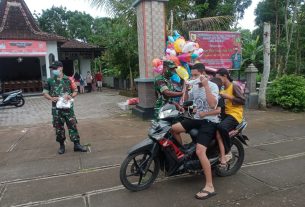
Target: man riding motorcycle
x,y
205,96
164,88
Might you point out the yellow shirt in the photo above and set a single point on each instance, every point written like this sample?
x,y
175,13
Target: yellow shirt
x,y
234,110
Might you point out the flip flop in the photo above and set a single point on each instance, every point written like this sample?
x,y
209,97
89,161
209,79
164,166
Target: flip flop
x,y
229,156
209,194
223,166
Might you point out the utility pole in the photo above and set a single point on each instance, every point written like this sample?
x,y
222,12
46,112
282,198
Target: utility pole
x,y
263,86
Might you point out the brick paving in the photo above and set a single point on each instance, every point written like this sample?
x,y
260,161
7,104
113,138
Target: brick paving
x,y
37,110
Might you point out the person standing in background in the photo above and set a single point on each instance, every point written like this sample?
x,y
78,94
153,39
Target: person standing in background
x,y
76,77
99,79
89,81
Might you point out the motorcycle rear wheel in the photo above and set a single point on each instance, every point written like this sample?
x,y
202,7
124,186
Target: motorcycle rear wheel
x,y
236,162
135,174
20,102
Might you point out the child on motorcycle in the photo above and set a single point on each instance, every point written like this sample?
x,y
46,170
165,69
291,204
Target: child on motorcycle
x,y
234,101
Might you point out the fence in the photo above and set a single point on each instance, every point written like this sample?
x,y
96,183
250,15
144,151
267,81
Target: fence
x,y
116,83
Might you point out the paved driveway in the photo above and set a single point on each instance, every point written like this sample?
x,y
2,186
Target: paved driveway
x,y
37,110
33,174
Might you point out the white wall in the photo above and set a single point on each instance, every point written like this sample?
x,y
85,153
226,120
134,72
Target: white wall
x,y
51,48
85,66
43,68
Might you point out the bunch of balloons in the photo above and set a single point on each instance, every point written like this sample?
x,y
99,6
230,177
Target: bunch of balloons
x,y
182,53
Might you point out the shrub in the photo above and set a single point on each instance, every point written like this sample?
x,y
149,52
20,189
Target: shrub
x,y
288,92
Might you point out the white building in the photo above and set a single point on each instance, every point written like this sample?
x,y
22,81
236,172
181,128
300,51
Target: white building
x,y
26,51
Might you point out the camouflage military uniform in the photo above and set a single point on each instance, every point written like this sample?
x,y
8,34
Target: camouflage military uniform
x,y
56,88
161,84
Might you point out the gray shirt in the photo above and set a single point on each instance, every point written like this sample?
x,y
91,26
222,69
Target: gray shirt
x,y
198,95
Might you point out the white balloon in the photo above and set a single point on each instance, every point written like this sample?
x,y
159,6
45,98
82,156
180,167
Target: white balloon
x,y
198,52
171,52
189,47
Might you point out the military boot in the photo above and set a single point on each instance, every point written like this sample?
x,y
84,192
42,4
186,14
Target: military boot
x,y
62,148
79,148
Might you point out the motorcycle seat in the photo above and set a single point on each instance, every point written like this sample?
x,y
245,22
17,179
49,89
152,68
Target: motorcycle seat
x,y
194,132
238,128
9,93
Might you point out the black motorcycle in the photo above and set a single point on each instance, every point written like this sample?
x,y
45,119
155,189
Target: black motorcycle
x,y
13,98
161,151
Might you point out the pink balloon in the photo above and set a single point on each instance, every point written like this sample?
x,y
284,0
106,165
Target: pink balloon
x,y
157,62
186,57
158,69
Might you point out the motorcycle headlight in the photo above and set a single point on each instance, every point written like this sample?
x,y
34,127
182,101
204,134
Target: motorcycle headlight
x,y
164,114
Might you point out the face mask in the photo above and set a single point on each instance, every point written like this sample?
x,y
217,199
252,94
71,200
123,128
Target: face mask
x,y
194,82
56,72
168,73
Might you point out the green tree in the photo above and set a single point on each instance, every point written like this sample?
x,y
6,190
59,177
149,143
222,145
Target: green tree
x,y
251,49
79,25
287,21
54,20
69,24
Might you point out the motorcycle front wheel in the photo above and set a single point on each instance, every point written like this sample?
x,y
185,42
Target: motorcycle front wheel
x,y
139,171
20,102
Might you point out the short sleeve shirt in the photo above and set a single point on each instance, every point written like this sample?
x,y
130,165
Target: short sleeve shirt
x,y
55,87
198,95
162,84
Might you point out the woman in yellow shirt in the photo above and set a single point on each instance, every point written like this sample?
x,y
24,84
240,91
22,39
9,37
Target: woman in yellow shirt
x,y
234,101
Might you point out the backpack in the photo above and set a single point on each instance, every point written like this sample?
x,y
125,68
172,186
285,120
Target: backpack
x,y
81,81
242,86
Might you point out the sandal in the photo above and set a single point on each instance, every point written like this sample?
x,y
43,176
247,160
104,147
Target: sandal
x,y
229,156
222,166
208,194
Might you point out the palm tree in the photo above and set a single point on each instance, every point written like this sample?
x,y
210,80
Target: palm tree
x,y
184,17
251,49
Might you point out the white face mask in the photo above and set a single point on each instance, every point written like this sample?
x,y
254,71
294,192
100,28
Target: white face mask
x,y
194,82
56,72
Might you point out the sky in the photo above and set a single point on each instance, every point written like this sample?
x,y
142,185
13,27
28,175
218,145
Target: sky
x,y
248,22
83,5
72,5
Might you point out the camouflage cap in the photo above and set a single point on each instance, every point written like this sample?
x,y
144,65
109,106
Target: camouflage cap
x,y
169,64
56,64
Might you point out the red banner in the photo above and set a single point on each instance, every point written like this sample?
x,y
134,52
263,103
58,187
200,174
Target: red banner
x,y
221,49
13,48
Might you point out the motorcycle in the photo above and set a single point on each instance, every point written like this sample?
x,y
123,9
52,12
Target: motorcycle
x,y
160,151
13,98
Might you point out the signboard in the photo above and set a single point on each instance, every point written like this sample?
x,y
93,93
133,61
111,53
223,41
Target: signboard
x,y
16,48
221,49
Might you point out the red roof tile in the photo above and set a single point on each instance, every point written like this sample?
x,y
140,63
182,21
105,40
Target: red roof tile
x,y
76,44
17,22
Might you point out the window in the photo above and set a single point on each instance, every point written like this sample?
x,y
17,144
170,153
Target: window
x,y
51,58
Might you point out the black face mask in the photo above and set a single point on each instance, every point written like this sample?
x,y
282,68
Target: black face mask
x,y
168,73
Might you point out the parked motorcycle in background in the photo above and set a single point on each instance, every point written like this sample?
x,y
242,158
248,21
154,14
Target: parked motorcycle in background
x,y
13,98
161,151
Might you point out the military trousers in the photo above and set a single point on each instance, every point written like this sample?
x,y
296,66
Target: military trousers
x,y
60,117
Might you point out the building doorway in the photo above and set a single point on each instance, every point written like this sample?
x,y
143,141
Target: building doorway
x,y
20,73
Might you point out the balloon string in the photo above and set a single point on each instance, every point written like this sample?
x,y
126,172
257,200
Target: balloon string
x,y
183,94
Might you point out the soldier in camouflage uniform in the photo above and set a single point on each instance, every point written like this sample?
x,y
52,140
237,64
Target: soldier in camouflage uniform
x,y
61,85
164,88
